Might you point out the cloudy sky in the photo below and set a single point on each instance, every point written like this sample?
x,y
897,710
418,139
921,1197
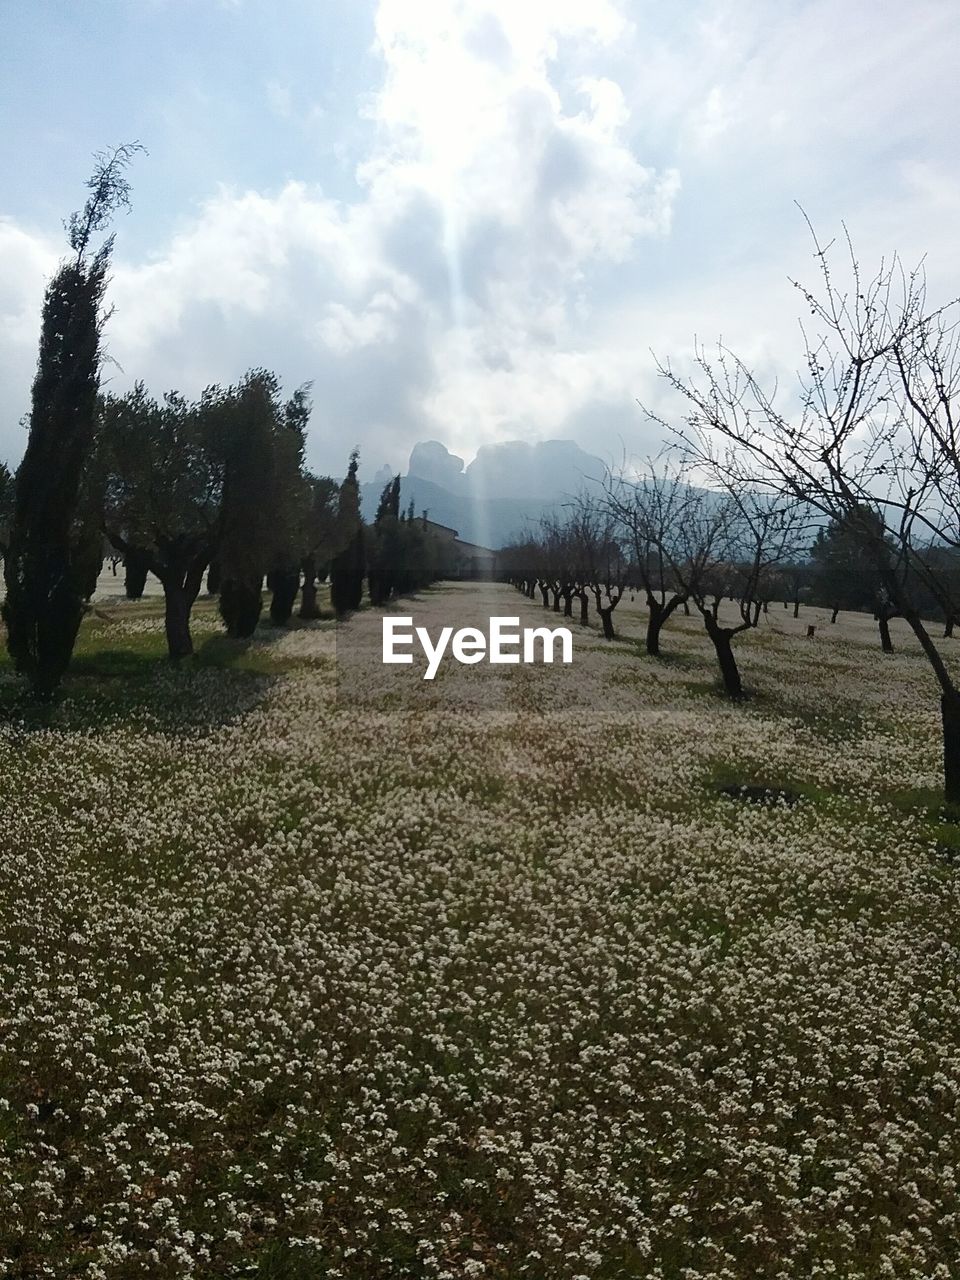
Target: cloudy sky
x,y
467,220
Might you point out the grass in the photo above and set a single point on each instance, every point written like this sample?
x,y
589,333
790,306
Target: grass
x,y
540,983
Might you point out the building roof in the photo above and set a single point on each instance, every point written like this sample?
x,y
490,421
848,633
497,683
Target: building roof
x,y
475,546
433,524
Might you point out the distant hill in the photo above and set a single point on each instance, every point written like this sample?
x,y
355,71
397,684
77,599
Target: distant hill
x,y
506,490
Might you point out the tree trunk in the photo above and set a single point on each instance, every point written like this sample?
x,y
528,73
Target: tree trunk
x,y
308,592
584,610
948,628
176,621
722,642
654,626
241,603
606,619
213,578
833,616
950,711
568,605
284,585
796,608
545,593
686,608
886,644
181,586
135,564
659,616
556,602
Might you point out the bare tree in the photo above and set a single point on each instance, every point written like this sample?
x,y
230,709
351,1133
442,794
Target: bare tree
x,y
871,439
649,509
601,563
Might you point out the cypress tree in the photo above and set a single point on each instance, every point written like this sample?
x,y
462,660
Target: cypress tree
x,y
385,553
348,567
6,507
292,507
47,566
320,536
248,510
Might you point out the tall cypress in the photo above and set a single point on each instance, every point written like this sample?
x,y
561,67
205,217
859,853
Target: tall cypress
x,y
385,553
292,507
348,567
247,510
47,564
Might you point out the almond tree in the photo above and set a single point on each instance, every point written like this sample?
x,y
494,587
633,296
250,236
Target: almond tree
x,y
874,430
649,509
754,535
599,554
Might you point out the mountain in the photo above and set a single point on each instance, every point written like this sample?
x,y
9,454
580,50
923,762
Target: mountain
x,y
503,492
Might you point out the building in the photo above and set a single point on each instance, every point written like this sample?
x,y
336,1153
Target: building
x,y
468,561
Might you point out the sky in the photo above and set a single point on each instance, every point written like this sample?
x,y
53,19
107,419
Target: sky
x,y
468,220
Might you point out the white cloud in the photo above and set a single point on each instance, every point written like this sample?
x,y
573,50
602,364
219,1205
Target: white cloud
x,y
551,189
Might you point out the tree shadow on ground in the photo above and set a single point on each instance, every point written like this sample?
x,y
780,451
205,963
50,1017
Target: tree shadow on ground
x,y
129,688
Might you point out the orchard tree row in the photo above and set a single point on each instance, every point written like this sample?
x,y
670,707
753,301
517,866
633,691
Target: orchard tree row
x,y
864,451
677,545
177,488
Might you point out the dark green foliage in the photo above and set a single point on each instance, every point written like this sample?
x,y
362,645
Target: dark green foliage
x,y
319,537
249,413
54,540
265,498
87,533
405,554
348,567
292,503
845,573
7,488
45,593
163,489
389,508
417,556
386,551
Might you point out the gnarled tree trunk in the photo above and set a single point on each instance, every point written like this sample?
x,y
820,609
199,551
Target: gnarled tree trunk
x,y
722,638
181,581
659,614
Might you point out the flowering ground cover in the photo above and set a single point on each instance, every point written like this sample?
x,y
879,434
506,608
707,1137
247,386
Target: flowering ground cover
x,y
527,972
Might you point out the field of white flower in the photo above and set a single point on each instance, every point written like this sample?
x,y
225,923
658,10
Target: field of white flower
x,y
310,974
